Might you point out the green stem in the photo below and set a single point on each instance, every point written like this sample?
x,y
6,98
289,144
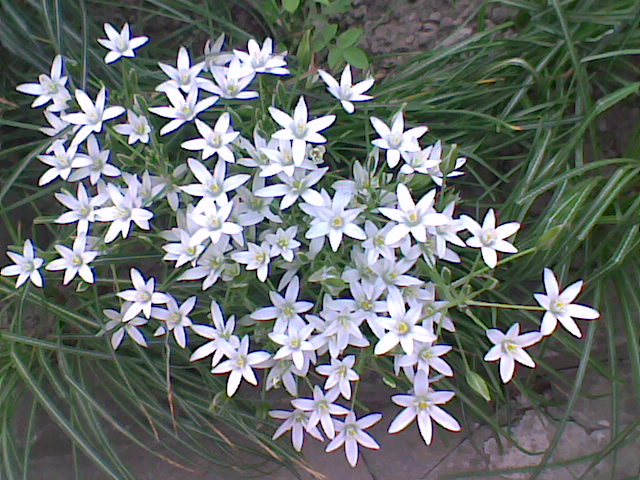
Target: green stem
x,y
473,303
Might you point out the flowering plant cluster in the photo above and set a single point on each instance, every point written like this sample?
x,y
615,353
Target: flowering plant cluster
x,y
308,268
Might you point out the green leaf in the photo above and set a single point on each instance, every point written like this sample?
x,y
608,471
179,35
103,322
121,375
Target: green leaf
x,y
290,5
477,383
304,51
356,57
548,238
335,58
349,38
329,32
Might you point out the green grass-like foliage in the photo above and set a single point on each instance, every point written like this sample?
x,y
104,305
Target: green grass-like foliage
x,y
524,99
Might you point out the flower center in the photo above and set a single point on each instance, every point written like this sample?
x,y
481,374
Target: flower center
x,y
488,237
509,346
215,140
395,140
77,261
143,297
403,328
558,306
337,222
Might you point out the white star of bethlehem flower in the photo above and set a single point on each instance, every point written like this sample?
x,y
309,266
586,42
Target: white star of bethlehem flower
x,y
262,59
559,306
50,88
176,318
221,333
340,373
61,162
74,261
142,296
214,140
120,43
213,54
509,348
127,208
294,343
213,221
98,164
296,421
216,186
489,238
423,404
183,109
346,92
92,116
184,77
402,326
321,407
26,266
240,365
351,434
294,187
412,218
284,309
299,129
137,128
82,208
283,242
130,327
257,257
230,83
334,221
396,140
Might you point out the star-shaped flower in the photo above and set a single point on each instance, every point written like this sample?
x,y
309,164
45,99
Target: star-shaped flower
x,y
299,129
489,238
120,44
509,349
183,109
240,365
142,296
559,306
92,116
74,261
50,88
395,140
26,266
346,92
214,140
351,434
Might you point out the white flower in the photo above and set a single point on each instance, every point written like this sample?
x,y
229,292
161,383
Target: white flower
x,y
351,433
216,186
422,161
346,92
257,257
82,208
130,327
296,421
426,356
49,88
299,129
61,162
283,242
183,109
240,365
213,221
120,44
26,266
176,318
57,125
294,343
137,128
321,407
182,252
509,348
98,164
396,140
214,140
447,232
213,54
423,404
142,296
284,309
412,218
402,326
334,221
262,59
184,77
231,82
92,115
294,187
210,265
74,261
220,336
489,238
559,306
340,373
127,208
